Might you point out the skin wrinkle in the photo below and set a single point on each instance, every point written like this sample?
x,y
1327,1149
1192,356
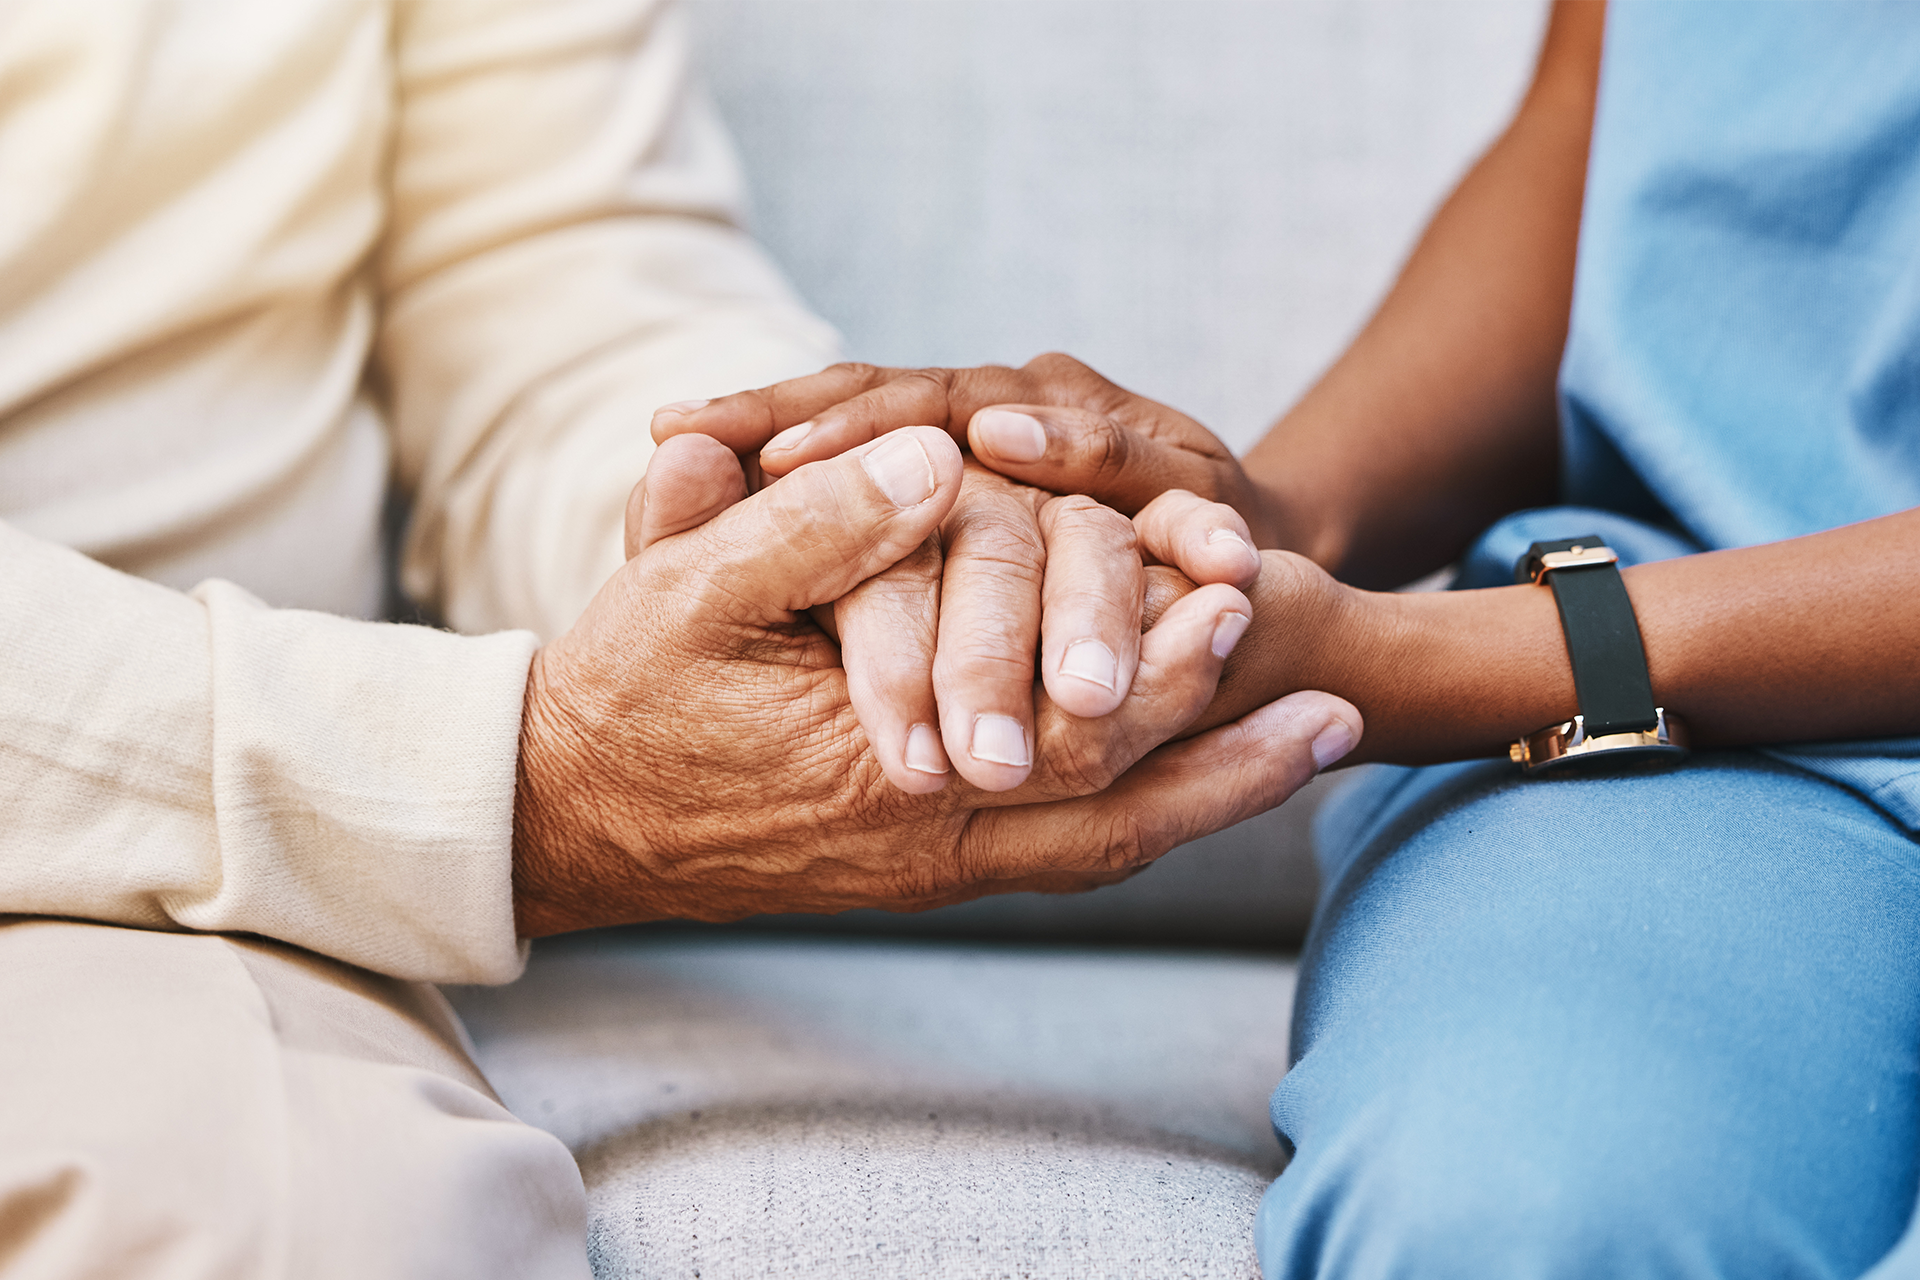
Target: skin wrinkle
x,y
1108,455
980,607
995,567
1075,509
861,405
715,872
824,733
1088,771
934,383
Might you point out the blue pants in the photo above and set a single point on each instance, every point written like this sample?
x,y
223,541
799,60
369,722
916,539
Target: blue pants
x,y
1636,1024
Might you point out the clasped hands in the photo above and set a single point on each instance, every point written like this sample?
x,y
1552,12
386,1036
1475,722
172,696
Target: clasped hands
x,y
700,746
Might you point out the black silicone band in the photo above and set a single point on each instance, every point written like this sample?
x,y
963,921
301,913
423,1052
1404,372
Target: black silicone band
x,y
1603,640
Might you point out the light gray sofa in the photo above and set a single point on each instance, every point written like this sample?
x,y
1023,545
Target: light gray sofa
x,y
1203,198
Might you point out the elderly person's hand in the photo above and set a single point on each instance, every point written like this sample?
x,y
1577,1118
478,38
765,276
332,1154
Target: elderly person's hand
x,y
690,748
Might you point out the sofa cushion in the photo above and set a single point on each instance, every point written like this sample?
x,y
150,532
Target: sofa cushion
x,y
751,1105
916,1189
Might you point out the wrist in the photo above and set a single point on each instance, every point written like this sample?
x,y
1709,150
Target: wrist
x,y
1446,675
1302,619
1455,675
556,842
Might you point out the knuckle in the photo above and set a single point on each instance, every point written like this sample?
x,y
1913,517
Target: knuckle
x,y
1131,841
917,880
763,400
1187,513
1161,516
1079,515
857,370
984,646
974,663
932,379
1082,768
1054,364
889,639
1003,534
937,875
897,398
1106,449
1076,506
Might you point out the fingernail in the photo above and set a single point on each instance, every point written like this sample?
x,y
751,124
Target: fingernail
x,y
788,439
1334,742
924,752
682,406
1090,660
1016,437
1228,535
1227,632
902,470
999,740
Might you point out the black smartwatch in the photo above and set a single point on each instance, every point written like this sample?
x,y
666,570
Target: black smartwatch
x,y
1618,722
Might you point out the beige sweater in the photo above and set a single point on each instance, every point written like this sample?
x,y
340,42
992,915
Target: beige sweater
x,y
253,258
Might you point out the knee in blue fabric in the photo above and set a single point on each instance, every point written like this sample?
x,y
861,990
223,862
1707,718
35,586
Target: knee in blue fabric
x,y
1658,1024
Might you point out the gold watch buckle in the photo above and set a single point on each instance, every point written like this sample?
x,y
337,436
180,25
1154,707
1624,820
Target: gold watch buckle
x,y
1567,743
1573,557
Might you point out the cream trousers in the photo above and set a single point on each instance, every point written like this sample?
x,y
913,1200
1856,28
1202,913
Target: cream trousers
x,y
193,1105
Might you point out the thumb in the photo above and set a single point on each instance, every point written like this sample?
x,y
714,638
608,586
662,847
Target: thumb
x,y
689,481
814,535
1069,449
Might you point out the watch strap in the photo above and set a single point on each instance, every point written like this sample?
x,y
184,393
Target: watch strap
x,y
1602,634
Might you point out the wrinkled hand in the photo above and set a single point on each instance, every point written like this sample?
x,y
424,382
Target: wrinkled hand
x,y
1054,424
940,649
690,748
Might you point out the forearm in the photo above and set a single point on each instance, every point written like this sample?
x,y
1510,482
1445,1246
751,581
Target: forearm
x,y
1811,639
1441,415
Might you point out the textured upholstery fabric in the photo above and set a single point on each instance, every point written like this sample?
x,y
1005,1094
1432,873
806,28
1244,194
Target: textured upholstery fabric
x,y
814,1108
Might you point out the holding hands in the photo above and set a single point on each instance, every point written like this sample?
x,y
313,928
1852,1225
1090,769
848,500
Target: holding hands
x,y
940,649
692,748
1020,563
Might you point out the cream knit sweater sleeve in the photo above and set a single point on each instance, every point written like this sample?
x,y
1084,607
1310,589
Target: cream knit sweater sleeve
x,y
520,211
204,762
563,257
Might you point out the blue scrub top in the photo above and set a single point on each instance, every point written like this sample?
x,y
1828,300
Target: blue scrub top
x,y
1744,358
